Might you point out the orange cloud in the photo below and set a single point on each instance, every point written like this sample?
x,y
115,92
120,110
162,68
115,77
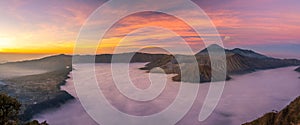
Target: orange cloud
x,y
150,19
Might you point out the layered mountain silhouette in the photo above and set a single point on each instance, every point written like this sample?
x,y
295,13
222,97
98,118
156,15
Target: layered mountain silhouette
x,y
137,57
237,61
57,62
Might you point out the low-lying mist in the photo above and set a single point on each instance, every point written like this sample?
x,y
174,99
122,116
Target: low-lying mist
x,y
7,72
245,97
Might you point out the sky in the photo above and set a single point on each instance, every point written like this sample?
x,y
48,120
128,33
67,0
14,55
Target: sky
x,y
52,26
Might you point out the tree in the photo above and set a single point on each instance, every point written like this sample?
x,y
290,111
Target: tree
x,y
35,122
9,110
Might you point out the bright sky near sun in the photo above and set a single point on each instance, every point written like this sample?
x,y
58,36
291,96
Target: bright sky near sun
x,y
51,26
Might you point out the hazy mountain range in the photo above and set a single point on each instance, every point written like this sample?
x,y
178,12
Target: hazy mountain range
x,y
238,61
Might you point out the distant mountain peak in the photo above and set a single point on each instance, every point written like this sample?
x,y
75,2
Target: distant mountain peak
x,y
212,47
215,46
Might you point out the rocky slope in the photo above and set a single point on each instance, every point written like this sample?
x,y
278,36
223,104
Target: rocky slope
x,y
189,72
240,60
298,69
290,115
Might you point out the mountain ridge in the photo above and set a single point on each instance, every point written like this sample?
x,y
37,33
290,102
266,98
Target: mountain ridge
x,y
243,52
239,61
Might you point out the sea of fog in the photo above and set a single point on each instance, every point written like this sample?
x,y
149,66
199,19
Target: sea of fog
x,y
245,97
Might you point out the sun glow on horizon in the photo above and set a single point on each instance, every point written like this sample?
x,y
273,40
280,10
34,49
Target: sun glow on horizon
x,y
6,43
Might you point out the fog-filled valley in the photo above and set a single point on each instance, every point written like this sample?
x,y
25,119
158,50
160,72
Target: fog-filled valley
x,y
245,97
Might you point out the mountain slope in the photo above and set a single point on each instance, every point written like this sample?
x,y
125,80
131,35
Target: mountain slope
x,y
237,60
248,53
290,115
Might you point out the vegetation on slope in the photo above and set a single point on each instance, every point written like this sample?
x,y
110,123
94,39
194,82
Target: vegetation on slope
x,y
37,92
290,115
9,110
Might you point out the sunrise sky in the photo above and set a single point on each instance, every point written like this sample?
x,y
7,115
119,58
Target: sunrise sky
x,y
51,26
